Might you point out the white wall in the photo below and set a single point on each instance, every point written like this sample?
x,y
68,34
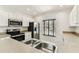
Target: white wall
x,y
61,24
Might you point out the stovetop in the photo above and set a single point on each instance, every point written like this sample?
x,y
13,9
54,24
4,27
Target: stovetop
x,y
13,32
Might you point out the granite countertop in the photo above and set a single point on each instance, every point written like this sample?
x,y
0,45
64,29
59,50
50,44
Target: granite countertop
x,y
9,45
3,35
24,31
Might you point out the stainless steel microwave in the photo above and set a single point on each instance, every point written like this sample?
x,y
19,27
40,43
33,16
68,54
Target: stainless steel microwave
x,y
12,22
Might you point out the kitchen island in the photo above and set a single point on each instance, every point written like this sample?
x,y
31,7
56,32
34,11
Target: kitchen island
x,y
9,45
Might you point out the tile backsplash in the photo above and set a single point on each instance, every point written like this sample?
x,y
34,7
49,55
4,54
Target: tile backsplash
x,y
3,29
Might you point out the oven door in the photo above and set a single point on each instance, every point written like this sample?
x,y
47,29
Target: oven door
x,y
19,37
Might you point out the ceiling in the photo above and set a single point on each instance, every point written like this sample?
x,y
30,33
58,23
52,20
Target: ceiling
x,y
34,10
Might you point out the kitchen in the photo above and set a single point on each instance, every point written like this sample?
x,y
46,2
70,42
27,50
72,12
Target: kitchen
x,y
39,28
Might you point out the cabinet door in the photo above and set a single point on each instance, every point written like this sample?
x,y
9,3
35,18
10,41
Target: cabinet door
x,y
25,21
73,17
3,19
30,19
10,16
27,36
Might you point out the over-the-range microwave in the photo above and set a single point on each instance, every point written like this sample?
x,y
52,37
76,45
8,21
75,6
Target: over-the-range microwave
x,y
12,22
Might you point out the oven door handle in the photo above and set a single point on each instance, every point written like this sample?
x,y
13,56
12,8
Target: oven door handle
x,y
17,35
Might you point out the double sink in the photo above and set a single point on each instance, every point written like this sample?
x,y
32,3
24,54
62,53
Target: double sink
x,y
43,46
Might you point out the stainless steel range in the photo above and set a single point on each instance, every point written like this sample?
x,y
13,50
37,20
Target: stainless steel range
x,y
16,34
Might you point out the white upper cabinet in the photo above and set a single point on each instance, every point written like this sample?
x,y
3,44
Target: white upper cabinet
x,y
25,21
3,18
15,16
31,19
74,16
12,16
19,18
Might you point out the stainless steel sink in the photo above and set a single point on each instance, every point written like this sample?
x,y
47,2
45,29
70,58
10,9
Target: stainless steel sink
x,y
46,47
30,41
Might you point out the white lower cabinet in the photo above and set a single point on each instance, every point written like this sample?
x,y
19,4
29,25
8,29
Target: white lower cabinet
x,y
27,36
